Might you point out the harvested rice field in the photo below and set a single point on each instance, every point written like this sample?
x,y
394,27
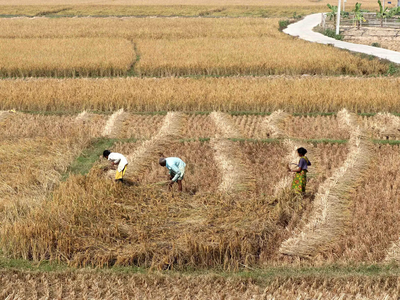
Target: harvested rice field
x,y
221,219
219,85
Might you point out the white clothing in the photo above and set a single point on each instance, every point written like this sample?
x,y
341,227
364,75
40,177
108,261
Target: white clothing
x,y
118,158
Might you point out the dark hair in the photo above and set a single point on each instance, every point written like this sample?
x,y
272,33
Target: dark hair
x,y
106,153
162,161
301,151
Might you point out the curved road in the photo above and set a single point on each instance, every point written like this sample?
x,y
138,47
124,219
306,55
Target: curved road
x,y
304,30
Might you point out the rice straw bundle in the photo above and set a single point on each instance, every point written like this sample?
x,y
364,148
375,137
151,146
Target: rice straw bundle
x,y
170,131
114,123
228,156
385,124
273,125
226,126
331,211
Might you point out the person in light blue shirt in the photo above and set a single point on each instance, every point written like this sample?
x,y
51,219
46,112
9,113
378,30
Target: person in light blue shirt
x,y
176,168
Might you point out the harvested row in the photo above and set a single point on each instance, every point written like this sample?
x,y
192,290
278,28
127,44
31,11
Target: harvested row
x,y
20,125
294,95
331,206
384,125
374,229
170,131
228,155
97,285
92,221
114,123
41,148
274,125
225,126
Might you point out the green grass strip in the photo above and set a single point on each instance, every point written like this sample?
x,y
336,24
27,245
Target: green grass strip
x,y
84,162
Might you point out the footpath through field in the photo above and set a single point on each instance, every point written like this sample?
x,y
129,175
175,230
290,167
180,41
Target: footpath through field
x,y
304,30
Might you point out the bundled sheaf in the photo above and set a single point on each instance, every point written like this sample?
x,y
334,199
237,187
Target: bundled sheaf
x,y
114,123
273,126
228,157
170,131
331,211
385,125
226,126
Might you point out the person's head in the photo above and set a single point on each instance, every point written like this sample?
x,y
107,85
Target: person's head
x,y
162,161
106,153
301,151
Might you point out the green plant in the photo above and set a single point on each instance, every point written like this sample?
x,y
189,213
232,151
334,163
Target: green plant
x,y
375,45
331,33
296,16
333,12
386,13
358,15
283,24
392,69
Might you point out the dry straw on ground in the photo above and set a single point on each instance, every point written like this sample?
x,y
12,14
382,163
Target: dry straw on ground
x,y
385,125
273,126
170,132
331,206
225,126
228,155
235,176
114,123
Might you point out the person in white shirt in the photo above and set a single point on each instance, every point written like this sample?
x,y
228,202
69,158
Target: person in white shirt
x,y
117,159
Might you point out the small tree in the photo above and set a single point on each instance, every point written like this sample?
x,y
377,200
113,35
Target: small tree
x,y
386,13
358,15
381,14
333,12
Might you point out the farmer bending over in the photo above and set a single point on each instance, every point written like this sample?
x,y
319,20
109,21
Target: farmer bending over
x,y
117,159
176,168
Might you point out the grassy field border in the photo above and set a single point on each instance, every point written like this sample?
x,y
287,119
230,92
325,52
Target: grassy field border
x,y
261,275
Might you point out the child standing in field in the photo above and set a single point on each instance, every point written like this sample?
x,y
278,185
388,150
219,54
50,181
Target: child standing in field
x,y
300,179
117,159
176,168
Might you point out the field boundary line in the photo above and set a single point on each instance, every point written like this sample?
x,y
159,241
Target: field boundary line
x,y
331,213
303,29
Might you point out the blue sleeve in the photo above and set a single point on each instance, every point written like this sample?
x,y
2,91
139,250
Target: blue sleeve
x,y
303,164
